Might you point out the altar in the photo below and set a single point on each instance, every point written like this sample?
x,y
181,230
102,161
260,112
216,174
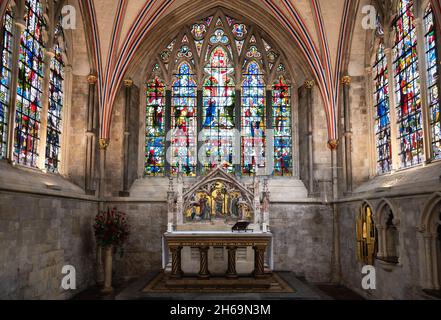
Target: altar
x,y
200,240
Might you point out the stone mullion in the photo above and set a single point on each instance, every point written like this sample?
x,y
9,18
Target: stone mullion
x,y
128,84
396,150
422,68
200,141
372,134
19,27
238,137
49,55
346,82
309,85
269,152
67,89
91,135
168,102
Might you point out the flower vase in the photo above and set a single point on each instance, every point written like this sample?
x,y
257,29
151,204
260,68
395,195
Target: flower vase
x,y
107,270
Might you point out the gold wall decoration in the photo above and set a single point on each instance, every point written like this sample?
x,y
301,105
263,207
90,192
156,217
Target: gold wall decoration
x,y
104,143
366,234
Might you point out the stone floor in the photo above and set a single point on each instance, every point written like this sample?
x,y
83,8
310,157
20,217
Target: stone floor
x,y
135,290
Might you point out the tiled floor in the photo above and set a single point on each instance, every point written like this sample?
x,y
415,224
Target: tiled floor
x,y
303,291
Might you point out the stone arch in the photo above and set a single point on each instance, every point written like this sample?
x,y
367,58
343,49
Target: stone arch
x,y
430,228
366,234
388,227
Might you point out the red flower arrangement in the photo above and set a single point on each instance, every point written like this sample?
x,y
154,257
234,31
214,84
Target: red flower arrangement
x,y
111,228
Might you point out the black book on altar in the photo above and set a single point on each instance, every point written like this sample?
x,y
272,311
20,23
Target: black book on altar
x,y
241,226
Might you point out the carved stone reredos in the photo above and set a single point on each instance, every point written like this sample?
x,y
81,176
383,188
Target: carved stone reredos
x,y
207,183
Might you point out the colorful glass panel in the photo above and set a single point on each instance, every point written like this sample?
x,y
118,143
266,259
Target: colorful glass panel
x,y
54,123
5,80
253,119
219,111
407,87
155,128
433,82
29,88
282,128
382,112
184,122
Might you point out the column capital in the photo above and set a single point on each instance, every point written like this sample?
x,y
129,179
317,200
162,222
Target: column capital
x,y
104,143
309,84
346,80
92,79
333,144
128,83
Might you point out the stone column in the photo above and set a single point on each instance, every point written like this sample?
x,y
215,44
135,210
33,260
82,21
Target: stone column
x,y
393,114
103,145
428,260
425,112
168,101
259,261
237,158
128,84
309,85
381,242
200,142
346,82
203,272
231,271
91,136
19,27
176,262
336,267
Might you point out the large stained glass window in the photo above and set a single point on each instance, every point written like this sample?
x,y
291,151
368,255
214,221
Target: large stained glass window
x,y
30,79
253,119
184,123
282,128
55,109
432,82
218,71
407,87
219,111
5,80
382,112
155,128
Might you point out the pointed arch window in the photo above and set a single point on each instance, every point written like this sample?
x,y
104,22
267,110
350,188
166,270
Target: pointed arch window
x,y
29,88
184,125
56,103
433,81
155,127
407,87
224,121
382,112
218,120
5,80
253,119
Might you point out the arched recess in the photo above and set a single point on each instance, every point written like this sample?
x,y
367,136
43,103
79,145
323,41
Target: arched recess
x,y
258,45
388,227
366,234
430,228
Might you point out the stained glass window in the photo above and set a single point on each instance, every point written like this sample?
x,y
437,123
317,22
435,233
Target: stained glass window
x,y
432,82
282,128
382,112
219,125
184,122
55,109
155,128
253,119
30,79
218,111
5,80
407,87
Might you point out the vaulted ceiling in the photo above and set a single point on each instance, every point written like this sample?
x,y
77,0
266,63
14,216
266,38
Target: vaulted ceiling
x,y
315,34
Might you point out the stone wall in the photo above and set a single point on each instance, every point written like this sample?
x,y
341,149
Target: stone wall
x,y
38,236
302,239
